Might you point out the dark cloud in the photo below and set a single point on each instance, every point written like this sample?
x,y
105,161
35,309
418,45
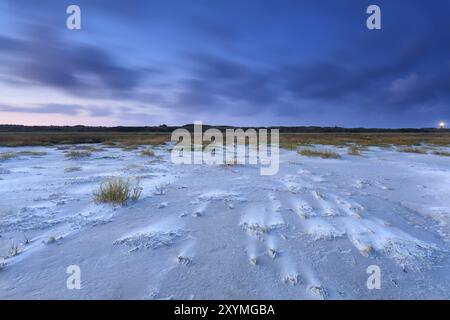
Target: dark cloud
x,y
219,84
413,89
43,58
222,85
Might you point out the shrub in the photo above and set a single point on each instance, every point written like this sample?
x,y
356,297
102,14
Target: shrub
x,y
324,154
117,191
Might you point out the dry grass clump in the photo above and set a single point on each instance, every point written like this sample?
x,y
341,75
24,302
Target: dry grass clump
x,y
12,155
412,150
148,153
86,148
63,147
117,191
136,191
7,155
130,148
72,169
75,154
13,249
32,153
354,151
324,154
442,153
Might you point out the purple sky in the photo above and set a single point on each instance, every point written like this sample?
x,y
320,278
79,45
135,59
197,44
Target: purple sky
x,y
225,62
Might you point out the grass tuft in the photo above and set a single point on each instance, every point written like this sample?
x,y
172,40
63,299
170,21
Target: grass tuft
x,y
74,154
412,150
117,191
148,153
32,153
324,154
86,148
13,249
442,153
72,169
136,190
7,155
130,148
354,151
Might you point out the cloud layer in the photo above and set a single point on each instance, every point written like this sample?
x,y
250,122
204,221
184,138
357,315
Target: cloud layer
x,y
288,62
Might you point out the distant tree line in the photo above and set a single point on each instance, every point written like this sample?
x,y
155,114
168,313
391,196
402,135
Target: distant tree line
x,y
190,127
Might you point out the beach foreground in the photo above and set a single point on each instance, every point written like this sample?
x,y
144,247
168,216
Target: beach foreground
x,y
224,232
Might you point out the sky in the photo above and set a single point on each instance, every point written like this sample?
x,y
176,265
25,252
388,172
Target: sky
x,y
234,62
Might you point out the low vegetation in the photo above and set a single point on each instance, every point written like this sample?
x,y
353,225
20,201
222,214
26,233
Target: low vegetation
x,y
76,154
287,140
412,150
130,148
12,155
324,154
7,155
148,153
292,141
442,153
86,148
120,139
13,249
354,151
32,153
50,240
72,169
118,191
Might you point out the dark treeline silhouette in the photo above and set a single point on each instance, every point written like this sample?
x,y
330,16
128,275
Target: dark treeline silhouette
x,y
190,127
